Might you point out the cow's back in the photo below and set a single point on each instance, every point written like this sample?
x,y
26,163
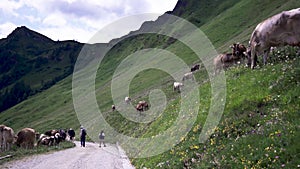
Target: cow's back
x,y
8,134
280,29
26,137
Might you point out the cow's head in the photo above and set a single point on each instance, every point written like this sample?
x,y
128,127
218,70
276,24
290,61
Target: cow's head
x,y
235,49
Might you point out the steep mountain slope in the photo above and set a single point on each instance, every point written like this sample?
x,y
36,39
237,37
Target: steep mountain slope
x,y
31,62
260,125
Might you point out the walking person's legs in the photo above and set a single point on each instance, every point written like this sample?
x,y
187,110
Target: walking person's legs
x,y
83,141
102,141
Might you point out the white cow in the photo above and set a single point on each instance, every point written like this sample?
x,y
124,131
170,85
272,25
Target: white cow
x,y
279,30
177,86
127,100
188,76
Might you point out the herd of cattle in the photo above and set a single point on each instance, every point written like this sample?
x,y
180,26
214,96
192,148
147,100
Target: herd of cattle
x,y
28,137
140,107
279,30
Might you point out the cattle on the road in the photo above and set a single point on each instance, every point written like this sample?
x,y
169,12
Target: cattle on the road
x,y
8,138
26,138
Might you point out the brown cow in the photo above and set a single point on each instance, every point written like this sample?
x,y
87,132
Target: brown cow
x,y
239,50
8,137
26,138
142,106
228,59
279,30
224,61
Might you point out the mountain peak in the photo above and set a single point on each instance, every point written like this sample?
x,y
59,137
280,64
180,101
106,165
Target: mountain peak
x,y
25,33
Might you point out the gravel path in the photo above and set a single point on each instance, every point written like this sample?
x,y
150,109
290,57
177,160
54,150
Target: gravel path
x,y
89,157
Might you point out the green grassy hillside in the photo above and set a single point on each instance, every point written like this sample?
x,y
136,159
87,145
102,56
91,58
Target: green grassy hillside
x,y
260,123
31,62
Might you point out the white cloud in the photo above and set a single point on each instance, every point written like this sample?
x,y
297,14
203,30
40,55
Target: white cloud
x,y
32,19
6,28
66,33
161,6
75,19
54,19
9,7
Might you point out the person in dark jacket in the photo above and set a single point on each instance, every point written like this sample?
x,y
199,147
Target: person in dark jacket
x,y
82,136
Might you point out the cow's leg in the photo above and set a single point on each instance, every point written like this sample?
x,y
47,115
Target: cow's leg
x,y
266,53
248,59
1,144
8,147
253,58
1,141
253,61
4,144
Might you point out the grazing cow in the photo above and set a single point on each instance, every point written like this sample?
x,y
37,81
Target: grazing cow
x,y
127,100
49,140
142,106
113,107
8,137
45,140
177,86
26,138
71,134
195,67
239,50
62,134
187,76
57,138
224,61
139,108
279,30
51,132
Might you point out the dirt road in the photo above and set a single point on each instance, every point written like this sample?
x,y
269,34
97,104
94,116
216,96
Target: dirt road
x,y
89,157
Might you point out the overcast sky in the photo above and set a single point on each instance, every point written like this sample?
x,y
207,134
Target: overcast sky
x,y
72,19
